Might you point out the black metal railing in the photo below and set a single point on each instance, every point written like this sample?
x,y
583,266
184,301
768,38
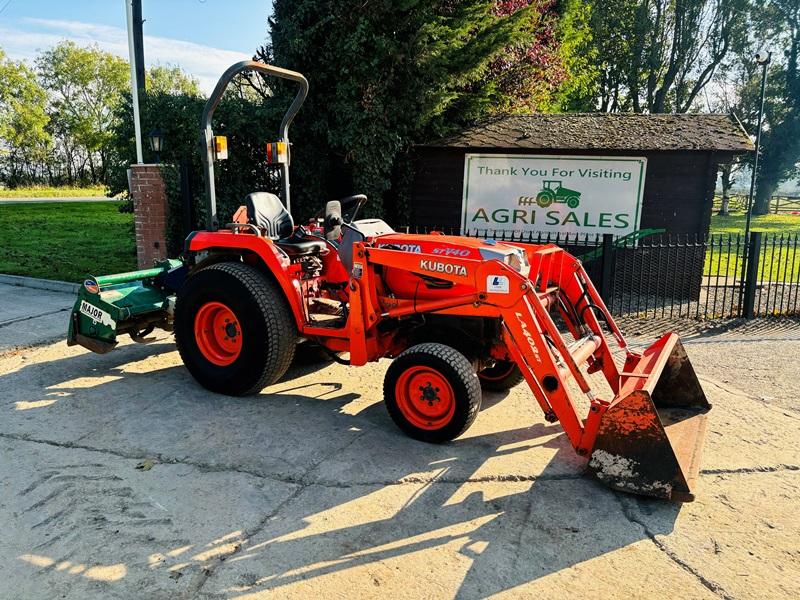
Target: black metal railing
x,y
681,276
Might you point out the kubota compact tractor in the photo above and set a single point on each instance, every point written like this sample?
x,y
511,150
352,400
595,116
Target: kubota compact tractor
x,y
454,313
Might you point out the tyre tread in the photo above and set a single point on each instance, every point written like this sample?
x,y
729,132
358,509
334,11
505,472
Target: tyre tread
x,y
280,342
463,370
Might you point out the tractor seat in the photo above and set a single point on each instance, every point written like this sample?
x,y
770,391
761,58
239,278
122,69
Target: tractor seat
x,y
301,246
265,210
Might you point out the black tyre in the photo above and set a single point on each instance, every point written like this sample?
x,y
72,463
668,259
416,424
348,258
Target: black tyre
x,y
432,393
502,376
234,329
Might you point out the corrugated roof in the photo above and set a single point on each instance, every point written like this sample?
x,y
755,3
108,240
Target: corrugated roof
x,y
604,131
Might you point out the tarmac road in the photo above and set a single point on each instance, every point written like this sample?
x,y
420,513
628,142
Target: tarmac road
x,y
122,478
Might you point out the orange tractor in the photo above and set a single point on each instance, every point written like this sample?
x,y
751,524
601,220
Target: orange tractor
x,y
455,315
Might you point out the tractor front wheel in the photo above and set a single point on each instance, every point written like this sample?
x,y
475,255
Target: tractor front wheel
x,y
504,375
432,392
234,329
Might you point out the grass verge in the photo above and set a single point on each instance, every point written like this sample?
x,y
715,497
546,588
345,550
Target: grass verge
x,y
66,241
53,192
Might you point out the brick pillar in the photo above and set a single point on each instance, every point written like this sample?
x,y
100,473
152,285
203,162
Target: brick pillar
x,y
150,214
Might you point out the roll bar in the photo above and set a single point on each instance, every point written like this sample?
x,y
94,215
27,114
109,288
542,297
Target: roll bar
x,y
207,135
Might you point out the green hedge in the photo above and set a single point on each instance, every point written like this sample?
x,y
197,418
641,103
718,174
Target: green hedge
x,y
247,123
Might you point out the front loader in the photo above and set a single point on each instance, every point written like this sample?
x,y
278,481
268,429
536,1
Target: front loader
x,y
456,315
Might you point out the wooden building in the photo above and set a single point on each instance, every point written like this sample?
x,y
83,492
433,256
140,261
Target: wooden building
x,y
682,152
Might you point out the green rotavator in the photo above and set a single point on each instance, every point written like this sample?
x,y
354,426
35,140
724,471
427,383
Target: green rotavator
x,y
134,303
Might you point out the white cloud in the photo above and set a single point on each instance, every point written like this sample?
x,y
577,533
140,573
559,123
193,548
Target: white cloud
x,y
204,62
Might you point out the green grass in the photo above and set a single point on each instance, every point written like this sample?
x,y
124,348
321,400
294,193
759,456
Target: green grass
x,y
53,192
66,241
776,262
783,223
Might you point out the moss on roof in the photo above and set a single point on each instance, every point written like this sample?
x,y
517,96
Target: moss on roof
x,y
604,131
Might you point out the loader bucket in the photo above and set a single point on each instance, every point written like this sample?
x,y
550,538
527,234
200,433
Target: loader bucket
x,y
650,438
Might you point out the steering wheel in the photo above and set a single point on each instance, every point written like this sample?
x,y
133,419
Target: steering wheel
x,y
350,206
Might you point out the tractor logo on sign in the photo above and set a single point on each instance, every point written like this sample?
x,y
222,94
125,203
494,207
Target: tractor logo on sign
x,y
553,192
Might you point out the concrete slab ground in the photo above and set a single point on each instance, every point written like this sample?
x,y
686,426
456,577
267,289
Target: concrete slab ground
x,y
122,478
31,316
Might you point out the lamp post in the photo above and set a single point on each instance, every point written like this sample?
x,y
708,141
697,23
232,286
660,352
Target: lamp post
x,y
156,139
137,128
762,58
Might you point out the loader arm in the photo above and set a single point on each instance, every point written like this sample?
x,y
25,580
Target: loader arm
x,y
645,439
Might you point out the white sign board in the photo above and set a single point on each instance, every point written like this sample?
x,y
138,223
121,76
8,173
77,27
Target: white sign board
x,y
552,194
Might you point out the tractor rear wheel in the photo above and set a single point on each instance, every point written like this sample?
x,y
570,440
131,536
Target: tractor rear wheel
x,y
432,392
545,198
504,375
234,329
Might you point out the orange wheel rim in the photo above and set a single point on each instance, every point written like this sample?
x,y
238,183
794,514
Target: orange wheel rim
x,y
218,333
425,398
490,375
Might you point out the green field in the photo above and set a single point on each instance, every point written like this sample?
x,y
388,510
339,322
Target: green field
x,y
783,223
66,241
778,261
53,192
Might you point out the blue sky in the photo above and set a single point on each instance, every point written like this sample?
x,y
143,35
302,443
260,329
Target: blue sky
x,y
202,36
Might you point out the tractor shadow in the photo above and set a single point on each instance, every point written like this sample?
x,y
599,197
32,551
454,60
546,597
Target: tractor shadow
x,y
496,532
473,515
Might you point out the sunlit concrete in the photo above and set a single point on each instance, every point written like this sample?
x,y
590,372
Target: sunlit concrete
x,y
121,478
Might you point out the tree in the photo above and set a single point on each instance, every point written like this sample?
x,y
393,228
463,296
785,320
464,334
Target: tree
x,y
85,86
551,69
171,79
24,141
613,40
779,21
388,74
659,55
734,91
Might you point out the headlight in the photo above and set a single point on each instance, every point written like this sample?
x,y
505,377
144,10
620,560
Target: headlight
x,y
513,257
518,260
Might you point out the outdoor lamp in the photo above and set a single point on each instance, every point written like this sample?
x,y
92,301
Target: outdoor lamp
x,y
763,57
156,139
